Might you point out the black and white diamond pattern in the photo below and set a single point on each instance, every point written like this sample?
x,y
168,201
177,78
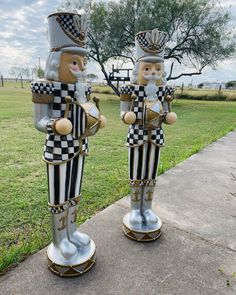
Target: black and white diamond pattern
x,y
67,23
147,45
142,40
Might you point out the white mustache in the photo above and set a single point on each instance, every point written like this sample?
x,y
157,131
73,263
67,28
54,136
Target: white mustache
x,y
78,74
152,77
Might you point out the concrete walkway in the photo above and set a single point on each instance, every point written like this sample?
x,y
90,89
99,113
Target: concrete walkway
x,y
195,255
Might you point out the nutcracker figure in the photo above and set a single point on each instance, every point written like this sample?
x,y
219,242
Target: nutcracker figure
x,y
145,105
63,110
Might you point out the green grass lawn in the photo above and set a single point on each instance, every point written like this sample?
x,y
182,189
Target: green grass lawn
x,y
24,219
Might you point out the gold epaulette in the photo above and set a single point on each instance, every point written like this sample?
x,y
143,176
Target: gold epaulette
x,y
42,98
125,97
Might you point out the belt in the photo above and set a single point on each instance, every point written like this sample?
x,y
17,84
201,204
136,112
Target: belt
x,y
141,122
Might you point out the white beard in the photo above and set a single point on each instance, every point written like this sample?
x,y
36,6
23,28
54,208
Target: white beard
x,y
80,92
80,87
151,90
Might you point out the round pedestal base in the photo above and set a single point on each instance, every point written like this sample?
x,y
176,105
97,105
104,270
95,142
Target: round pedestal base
x,y
76,266
142,233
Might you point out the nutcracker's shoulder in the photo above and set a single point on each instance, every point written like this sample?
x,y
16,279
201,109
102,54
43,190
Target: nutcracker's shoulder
x,y
126,92
169,90
42,91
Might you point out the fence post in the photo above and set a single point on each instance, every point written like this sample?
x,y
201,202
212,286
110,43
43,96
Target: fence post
x,y
182,88
21,81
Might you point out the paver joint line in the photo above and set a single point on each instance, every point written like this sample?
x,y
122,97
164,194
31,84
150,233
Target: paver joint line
x,y
199,237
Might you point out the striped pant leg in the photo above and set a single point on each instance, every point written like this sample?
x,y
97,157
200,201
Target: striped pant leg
x,y
143,162
76,178
64,182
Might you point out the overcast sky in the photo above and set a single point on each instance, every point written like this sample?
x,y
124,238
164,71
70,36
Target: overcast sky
x,y
23,38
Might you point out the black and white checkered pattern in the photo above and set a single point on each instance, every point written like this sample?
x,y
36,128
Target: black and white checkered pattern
x,y
169,90
58,148
67,22
138,134
42,87
157,136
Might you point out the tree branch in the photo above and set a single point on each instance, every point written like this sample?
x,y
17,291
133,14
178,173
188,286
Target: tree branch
x,y
185,74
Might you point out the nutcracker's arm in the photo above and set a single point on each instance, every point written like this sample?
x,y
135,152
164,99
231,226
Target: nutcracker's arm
x,y
124,108
42,116
169,117
126,100
169,96
42,97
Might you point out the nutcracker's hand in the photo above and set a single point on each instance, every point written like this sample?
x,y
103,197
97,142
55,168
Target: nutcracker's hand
x,y
63,126
129,118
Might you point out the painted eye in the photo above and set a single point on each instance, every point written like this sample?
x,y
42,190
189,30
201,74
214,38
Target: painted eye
x,y
74,63
158,69
146,69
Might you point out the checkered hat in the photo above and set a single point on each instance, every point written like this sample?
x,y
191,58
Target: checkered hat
x,y
150,45
67,32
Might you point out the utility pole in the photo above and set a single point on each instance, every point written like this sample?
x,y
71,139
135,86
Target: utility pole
x,y
39,71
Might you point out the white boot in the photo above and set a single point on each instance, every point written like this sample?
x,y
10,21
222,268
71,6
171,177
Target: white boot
x,y
135,214
61,243
149,216
77,238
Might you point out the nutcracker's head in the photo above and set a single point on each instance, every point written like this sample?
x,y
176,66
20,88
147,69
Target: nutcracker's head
x,y
150,71
67,59
149,53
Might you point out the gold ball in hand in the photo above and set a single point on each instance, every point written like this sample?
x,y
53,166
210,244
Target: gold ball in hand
x,y
171,118
130,118
103,121
63,126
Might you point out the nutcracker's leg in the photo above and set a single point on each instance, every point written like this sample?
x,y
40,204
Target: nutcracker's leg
x,y
79,239
153,156
135,214
60,237
149,216
135,174
59,212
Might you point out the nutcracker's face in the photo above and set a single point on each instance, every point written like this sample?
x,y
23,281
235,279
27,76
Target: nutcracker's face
x,y
150,71
72,67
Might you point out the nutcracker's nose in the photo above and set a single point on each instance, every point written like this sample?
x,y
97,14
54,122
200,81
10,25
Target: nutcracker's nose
x,y
82,68
153,73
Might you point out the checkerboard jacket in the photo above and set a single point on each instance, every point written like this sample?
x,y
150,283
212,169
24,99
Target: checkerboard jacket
x,y
138,134
61,148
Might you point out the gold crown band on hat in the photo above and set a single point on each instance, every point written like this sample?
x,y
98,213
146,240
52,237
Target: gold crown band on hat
x,y
62,47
